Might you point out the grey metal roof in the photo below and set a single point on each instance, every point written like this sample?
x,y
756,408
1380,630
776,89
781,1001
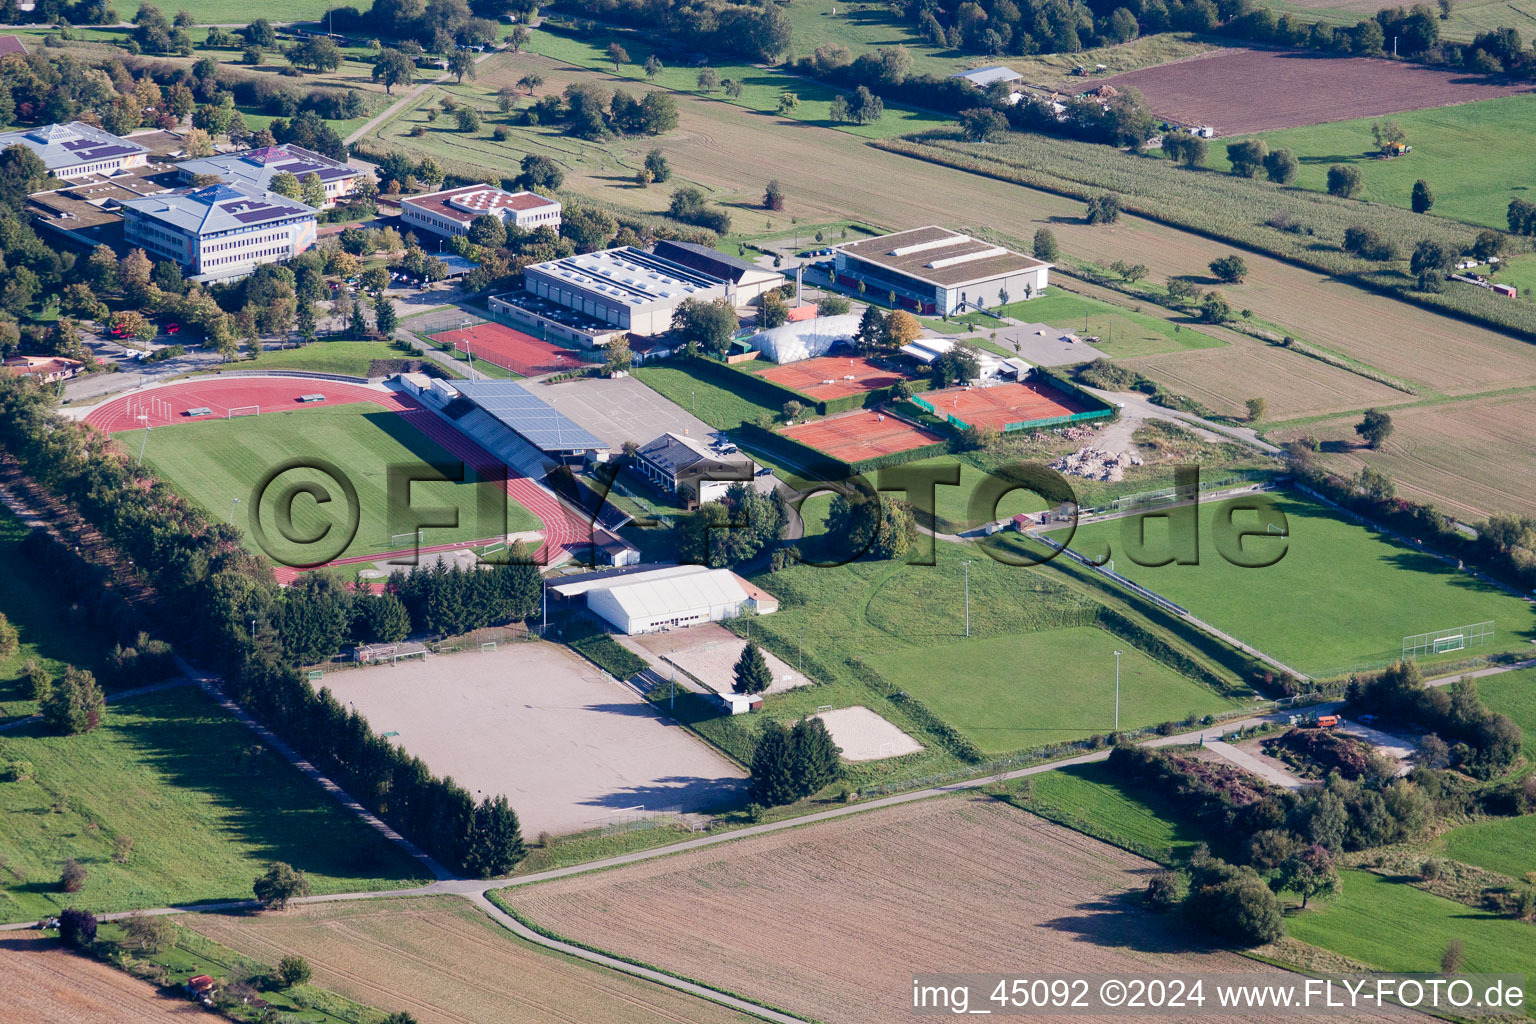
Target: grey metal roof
x,y
257,167
222,207
63,146
536,420
706,260
983,77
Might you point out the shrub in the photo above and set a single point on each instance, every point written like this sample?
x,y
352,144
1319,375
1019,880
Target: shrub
x,y
73,877
77,928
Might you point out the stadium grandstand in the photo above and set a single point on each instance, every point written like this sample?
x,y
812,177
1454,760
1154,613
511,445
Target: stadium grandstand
x,y
513,424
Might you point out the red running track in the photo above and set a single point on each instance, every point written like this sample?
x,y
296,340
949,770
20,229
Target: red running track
x,y
563,528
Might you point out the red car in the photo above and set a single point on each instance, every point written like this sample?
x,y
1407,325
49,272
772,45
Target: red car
x,y
117,330
172,328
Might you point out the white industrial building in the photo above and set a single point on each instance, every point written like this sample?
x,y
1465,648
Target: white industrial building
x,y
936,271
670,597
625,287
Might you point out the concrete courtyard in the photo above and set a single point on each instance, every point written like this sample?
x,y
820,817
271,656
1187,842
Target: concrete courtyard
x,y
570,749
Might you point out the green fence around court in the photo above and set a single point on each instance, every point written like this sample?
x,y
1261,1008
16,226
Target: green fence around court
x,y
1099,409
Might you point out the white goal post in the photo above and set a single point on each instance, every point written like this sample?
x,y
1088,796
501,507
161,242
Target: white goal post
x,y
414,538
243,410
1445,641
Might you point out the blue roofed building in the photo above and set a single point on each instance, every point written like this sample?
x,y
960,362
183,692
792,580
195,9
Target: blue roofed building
x,y
255,168
77,149
220,231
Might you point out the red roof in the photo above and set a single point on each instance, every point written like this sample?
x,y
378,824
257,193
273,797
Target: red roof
x,y
471,201
799,313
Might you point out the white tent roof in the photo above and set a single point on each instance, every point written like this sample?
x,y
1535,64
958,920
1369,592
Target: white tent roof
x,y
658,597
582,584
806,339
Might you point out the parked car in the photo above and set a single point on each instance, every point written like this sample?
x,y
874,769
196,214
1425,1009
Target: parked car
x,y
173,328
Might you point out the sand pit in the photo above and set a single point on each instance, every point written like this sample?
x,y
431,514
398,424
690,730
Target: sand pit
x,y
865,736
571,749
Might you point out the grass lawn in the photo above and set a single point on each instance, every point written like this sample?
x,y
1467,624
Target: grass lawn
x,y
1444,139
1088,798
1005,693
715,405
41,619
761,87
1513,694
206,805
217,461
1395,927
1341,595
349,358
1468,17
1505,845
1121,332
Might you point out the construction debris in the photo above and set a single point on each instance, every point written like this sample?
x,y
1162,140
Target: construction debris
x,y
1096,463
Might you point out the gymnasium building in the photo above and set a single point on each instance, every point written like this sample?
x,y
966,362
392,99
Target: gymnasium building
x,y
938,272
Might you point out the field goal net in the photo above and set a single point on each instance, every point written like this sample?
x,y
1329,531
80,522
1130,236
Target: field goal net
x,y
243,410
413,539
1445,641
489,647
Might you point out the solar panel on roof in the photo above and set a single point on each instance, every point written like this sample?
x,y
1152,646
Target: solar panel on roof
x,y
530,416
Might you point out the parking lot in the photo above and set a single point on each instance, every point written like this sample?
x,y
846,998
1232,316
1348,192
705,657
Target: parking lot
x,y
571,749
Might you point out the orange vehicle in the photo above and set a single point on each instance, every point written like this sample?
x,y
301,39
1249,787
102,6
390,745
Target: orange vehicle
x,y
1327,721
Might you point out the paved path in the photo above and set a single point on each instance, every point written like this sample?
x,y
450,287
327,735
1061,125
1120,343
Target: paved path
x,y
1253,765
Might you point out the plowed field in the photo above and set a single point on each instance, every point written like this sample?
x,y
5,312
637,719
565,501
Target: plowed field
x,y
833,921
42,983
444,962
1237,91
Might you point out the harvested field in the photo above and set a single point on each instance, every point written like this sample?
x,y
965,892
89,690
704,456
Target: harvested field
x,y
828,377
808,919
1002,405
863,434
1292,384
1471,459
512,349
1239,90
865,736
444,962
46,984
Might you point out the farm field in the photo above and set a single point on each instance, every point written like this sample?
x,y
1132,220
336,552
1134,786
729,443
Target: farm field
x,y
1306,609
1477,191
48,984
444,962
805,919
1237,90
1055,70
1353,924
1290,383
1505,845
41,618
831,177
1468,17
1472,458
216,461
1006,693
1121,332
205,804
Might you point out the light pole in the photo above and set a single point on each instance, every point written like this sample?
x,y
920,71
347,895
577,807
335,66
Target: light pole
x,y
143,418
968,597
232,506
1117,691
469,346
672,695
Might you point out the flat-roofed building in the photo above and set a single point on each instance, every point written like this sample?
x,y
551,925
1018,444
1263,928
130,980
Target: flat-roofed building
x,y
77,149
668,597
451,211
255,168
219,231
936,271
690,468
746,279
628,288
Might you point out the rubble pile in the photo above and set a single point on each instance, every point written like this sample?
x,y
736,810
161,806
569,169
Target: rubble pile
x,y
1096,463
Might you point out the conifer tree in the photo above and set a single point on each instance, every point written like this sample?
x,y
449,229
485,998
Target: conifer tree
x,y
752,672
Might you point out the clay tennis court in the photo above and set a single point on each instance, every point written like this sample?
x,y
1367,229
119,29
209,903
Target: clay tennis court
x,y
864,434
848,375
512,349
997,406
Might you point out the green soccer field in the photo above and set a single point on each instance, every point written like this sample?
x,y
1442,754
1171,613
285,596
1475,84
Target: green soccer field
x,y
1011,692
1341,595
216,462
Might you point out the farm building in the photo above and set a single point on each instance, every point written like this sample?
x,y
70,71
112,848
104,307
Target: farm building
x,y
255,168
934,270
745,279
688,467
451,211
77,149
981,78
624,288
674,598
